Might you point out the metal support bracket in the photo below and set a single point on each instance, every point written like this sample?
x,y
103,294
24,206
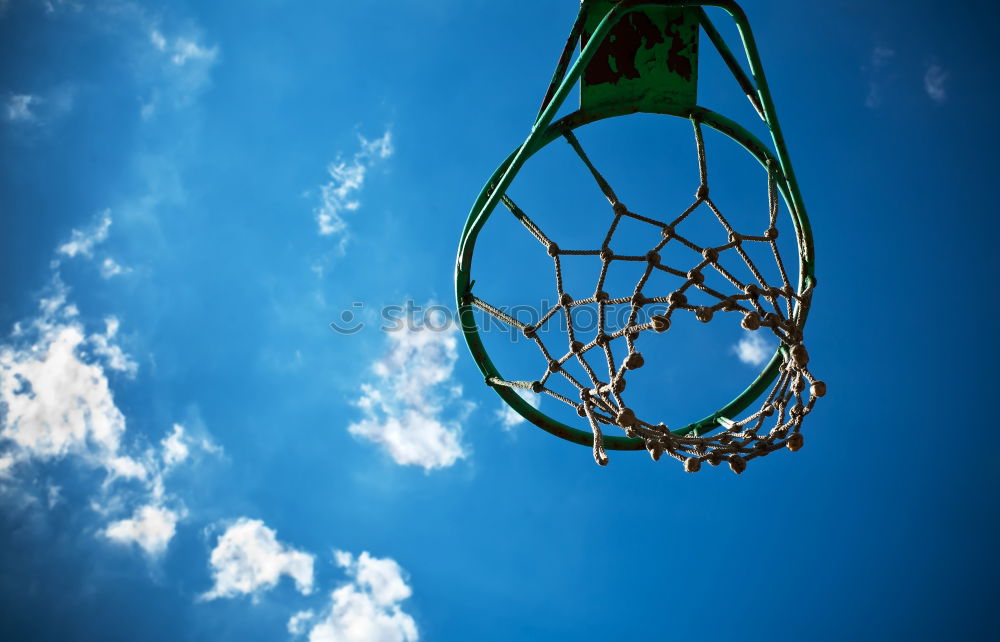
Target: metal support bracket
x,y
648,62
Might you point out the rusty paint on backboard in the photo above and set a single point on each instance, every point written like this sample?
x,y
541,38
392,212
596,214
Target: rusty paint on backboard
x,y
648,62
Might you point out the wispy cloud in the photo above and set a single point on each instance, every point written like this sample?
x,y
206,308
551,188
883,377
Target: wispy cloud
x,y
182,50
365,608
248,559
83,241
181,66
342,192
508,417
881,57
752,349
935,81
18,107
405,406
37,110
103,345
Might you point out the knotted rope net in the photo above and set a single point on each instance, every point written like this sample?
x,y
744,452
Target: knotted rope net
x,y
765,307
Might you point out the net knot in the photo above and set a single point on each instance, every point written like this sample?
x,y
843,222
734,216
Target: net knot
x,y
795,441
817,389
565,300
677,298
620,209
634,361
737,464
771,233
553,249
606,254
751,321
692,465
799,355
625,417
653,257
660,323
704,314
711,254
702,192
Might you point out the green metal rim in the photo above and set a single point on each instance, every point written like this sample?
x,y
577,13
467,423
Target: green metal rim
x,y
478,217
542,134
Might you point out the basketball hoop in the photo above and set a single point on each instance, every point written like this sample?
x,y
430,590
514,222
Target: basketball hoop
x,y
642,56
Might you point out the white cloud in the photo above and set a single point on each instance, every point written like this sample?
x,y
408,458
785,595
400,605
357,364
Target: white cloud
x,y
56,402
182,50
404,407
158,40
299,623
340,194
82,242
110,268
752,349
187,50
41,109
248,559
175,450
54,495
151,528
18,107
935,80
367,608
508,417
180,446
104,346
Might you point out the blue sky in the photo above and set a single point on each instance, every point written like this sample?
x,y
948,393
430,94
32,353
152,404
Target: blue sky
x,y
191,193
